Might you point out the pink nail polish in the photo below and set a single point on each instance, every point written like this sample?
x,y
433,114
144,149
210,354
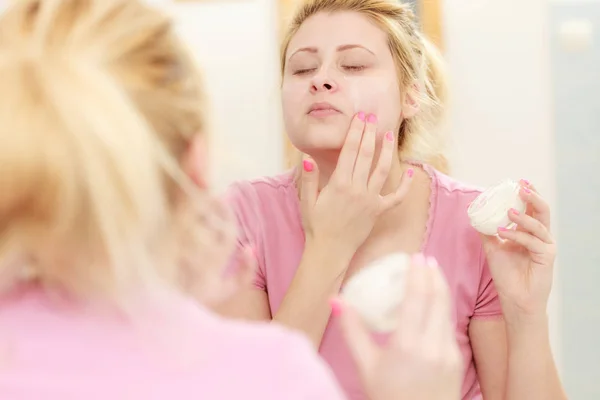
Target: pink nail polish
x,y
527,190
389,136
502,229
432,262
307,165
372,118
410,172
361,116
418,259
336,307
515,212
525,182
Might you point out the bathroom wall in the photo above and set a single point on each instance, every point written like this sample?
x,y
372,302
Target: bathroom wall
x,y
501,111
575,61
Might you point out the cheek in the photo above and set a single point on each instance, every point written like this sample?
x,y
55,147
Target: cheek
x,y
372,95
291,99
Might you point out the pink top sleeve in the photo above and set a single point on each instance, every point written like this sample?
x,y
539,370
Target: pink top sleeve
x,y
245,205
307,373
179,349
488,303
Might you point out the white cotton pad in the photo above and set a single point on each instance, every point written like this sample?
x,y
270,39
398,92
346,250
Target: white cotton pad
x,y
377,290
489,211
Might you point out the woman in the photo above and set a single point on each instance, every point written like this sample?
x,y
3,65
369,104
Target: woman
x,y
104,220
363,64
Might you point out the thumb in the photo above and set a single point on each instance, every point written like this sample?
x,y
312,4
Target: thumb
x,y
489,243
310,182
248,268
364,351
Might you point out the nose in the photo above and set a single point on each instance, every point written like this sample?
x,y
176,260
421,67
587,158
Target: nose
x,y
323,83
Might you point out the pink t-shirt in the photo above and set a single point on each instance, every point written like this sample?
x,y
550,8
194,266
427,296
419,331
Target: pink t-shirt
x,y
173,349
269,216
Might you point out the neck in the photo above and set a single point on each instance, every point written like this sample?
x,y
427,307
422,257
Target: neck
x,y
396,216
327,162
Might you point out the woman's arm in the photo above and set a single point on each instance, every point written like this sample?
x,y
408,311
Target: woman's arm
x,y
489,344
514,360
305,306
532,372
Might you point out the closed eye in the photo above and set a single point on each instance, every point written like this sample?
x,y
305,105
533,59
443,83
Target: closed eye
x,y
303,71
355,68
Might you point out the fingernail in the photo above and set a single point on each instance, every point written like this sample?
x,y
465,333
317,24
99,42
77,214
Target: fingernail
x,y
307,165
527,190
389,136
515,212
336,306
410,172
372,118
361,116
432,262
502,229
525,182
418,259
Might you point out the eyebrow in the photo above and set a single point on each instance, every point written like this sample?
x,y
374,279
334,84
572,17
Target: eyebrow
x,y
339,49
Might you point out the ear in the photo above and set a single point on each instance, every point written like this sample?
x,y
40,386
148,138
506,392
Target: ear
x,y
195,161
410,103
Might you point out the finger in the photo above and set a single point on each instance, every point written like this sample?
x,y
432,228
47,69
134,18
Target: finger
x,y
530,225
412,310
358,337
393,199
384,163
310,183
438,326
247,270
345,165
527,240
364,160
541,209
489,242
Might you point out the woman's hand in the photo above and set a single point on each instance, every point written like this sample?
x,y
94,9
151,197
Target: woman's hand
x,y
422,360
207,241
344,211
521,261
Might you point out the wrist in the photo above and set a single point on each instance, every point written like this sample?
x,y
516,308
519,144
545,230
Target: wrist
x,y
523,312
526,324
328,250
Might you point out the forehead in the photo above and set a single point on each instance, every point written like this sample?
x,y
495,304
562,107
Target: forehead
x,y
332,29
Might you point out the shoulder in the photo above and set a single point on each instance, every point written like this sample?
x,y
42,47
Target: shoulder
x,y
453,191
450,200
270,188
184,348
263,202
274,356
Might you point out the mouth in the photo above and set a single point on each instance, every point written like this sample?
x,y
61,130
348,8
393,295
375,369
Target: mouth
x,y
322,110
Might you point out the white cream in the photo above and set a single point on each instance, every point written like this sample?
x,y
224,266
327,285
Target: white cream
x,y
377,290
489,211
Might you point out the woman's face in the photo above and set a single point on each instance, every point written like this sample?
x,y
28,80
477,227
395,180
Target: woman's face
x,y
337,64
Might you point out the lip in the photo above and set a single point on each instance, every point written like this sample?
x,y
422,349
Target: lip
x,y
322,109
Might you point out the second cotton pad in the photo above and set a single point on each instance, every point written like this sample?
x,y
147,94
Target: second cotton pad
x,y
489,211
377,290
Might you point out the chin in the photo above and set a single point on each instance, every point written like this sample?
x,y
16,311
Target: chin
x,y
319,138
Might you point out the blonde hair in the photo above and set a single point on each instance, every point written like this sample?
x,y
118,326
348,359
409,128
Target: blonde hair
x,y
418,62
99,101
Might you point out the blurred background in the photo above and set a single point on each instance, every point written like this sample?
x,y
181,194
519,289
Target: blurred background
x,y
525,81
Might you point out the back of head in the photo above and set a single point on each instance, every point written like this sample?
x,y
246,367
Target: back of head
x,y
98,102
419,68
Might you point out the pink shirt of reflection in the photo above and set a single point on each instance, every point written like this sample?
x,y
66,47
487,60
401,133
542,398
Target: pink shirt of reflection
x,y
269,218
172,349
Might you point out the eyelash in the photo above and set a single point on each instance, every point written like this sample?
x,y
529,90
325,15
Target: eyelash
x,y
353,68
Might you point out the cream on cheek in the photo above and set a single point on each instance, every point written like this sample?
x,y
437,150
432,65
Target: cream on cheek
x,y
291,99
374,95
